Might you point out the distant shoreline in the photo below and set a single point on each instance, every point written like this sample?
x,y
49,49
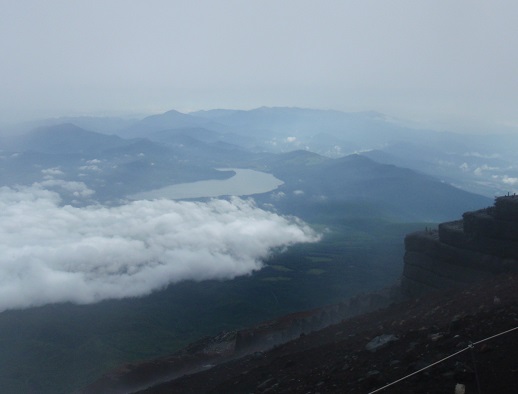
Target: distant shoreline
x,y
245,182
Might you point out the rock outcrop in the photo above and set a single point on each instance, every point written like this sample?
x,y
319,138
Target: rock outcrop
x,y
461,252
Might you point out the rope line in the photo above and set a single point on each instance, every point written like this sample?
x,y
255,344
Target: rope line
x,y
494,336
470,346
419,371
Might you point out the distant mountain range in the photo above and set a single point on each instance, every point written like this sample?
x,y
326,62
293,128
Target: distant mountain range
x,y
361,180
483,164
314,185
65,138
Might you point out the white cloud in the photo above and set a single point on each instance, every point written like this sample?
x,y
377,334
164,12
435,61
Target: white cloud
x,y
50,173
91,167
479,170
510,180
52,253
482,156
76,189
278,195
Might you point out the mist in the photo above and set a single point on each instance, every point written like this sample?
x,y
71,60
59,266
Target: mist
x,y
54,253
446,65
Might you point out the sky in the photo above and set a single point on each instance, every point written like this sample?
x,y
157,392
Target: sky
x,y
442,63
55,253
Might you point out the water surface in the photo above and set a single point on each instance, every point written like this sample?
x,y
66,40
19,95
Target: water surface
x,y
243,183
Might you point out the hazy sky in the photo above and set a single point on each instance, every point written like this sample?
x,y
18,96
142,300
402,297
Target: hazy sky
x,y
434,61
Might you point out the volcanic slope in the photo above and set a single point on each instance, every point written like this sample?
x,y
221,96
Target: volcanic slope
x,y
417,333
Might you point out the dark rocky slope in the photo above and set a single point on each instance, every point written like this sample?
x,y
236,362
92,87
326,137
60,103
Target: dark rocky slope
x,y
423,331
232,345
475,257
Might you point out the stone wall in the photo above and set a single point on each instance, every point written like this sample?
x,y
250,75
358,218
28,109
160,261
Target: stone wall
x,y
506,208
483,224
483,243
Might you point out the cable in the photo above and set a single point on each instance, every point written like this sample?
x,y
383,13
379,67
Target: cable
x,y
419,371
470,346
494,336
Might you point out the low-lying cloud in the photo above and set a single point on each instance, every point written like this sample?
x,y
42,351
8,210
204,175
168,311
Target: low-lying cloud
x,y
52,253
510,180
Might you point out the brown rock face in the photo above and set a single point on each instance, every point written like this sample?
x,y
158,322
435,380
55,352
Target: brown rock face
x,y
483,243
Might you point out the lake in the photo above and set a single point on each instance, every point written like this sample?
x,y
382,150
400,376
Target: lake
x,y
243,183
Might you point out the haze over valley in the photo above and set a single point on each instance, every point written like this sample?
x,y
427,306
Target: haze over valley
x,y
91,215
176,170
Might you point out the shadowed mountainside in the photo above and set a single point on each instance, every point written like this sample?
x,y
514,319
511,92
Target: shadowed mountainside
x,y
317,184
361,353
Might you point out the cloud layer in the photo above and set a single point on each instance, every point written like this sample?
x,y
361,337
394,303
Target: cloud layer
x,y
52,253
